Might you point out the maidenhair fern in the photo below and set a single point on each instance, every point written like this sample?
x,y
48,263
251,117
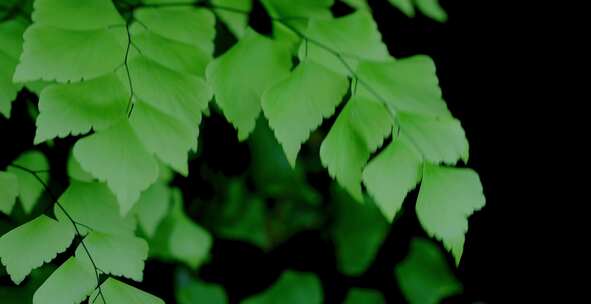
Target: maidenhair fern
x,y
131,81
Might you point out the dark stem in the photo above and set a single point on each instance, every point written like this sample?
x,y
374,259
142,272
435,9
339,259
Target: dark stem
x,y
130,103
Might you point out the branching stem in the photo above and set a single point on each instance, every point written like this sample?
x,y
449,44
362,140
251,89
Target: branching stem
x,y
72,221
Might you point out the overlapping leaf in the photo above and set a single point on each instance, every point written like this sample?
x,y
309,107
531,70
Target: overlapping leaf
x,y
29,187
391,175
77,108
409,85
241,76
93,205
298,13
440,140
297,105
163,72
354,37
359,130
152,207
117,156
115,254
237,23
159,75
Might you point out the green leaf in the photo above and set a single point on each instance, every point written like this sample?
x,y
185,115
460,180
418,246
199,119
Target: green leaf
x,y
355,37
11,41
62,30
173,54
448,196
358,232
241,76
200,292
152,207
296,106
359,130
117,156
76,172
79,107
237,23
424,276
179,238
189,25
115,254
180,95
291,288
410,85
71,283
406,6
30,189
296,13
33,244
391,175
8,191
364,296
168,111
93,205
116,292
440,140
165,119
432,9
166,137
70,14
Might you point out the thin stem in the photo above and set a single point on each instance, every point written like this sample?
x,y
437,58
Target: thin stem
x,y
61,207
130,103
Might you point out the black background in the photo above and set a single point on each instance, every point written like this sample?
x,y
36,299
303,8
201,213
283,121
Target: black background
x,y
481,67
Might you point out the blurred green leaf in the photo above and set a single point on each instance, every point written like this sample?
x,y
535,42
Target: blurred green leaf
x,y
424,276
358,231
291,288
364,296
